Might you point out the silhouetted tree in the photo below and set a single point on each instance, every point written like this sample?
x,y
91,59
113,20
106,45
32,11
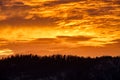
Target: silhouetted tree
x,y
59,67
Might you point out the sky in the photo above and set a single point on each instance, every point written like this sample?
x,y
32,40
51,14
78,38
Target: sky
x,y
66,27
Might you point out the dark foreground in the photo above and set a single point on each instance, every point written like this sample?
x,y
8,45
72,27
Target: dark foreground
x,y
29,67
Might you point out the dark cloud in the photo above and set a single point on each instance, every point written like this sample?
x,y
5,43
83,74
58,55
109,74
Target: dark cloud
x,y
74,38
18,4
61,39
10,3
117,2
35,21
115,45
44,41
1,3
3,42
2,39
100,11
57,2
21,9
112,1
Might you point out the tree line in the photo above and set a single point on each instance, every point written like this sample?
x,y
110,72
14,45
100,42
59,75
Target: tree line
x,y
59,67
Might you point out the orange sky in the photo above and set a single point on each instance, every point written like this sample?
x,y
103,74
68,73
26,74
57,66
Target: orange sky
x,y
46,27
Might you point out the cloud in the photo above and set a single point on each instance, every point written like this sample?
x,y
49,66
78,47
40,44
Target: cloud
x,y
61,9
2,17
97,19
64,41
36,21
45,41
74,38
116,44
3,42
65,38
6,52
2,39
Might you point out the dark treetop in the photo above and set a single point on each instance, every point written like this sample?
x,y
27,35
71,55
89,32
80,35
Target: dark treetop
x,y
58,67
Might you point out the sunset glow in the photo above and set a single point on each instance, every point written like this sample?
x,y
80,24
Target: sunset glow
x,y
6,52
46,27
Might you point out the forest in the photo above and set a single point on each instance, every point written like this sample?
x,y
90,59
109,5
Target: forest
x,y
59,67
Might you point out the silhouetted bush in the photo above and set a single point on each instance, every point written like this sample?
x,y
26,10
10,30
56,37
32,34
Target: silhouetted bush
x,y
59,67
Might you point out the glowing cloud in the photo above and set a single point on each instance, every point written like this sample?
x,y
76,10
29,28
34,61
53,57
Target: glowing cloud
x,y
73,23
6,52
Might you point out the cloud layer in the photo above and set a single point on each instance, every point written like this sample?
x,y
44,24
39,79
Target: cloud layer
x,y
72,23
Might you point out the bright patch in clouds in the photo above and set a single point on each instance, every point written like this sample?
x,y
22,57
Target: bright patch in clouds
x,y
6,52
